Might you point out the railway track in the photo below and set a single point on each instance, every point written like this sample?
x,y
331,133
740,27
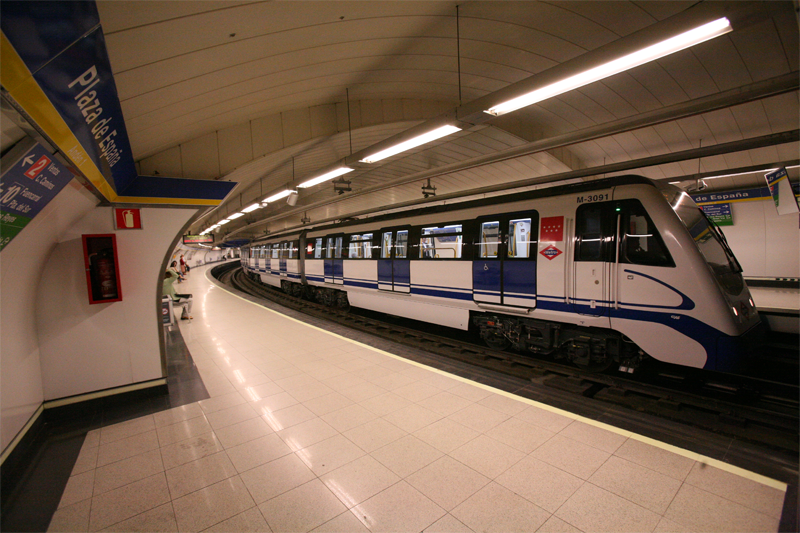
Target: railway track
x,y
753,410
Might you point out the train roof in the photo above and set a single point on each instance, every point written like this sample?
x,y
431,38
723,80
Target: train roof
x,y
557,190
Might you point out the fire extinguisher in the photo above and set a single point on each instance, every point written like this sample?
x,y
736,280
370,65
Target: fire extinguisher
x,y
105,274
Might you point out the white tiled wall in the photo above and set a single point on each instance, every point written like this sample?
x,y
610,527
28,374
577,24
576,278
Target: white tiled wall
x,y
85,348
23,261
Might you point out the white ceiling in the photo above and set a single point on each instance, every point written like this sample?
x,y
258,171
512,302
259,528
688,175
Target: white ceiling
x,y
199,77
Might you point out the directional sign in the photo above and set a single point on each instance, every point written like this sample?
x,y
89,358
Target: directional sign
x,y
719,213
781,191
31,178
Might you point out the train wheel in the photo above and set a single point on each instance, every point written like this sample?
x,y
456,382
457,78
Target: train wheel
x,y
595,365
496,341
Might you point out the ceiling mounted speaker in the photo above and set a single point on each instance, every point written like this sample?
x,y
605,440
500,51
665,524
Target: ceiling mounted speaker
x,y
292,199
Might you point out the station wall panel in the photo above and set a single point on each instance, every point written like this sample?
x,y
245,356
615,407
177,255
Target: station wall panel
x,y
23,261
86,348
765,243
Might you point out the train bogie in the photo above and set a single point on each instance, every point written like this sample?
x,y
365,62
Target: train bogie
x,y
600,273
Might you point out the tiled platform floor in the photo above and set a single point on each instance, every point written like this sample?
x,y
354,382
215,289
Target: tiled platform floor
x,y
307,431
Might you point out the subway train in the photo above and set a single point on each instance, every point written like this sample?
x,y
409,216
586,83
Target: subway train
x,y
606,272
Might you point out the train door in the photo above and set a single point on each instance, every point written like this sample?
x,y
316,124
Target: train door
x,y
645,276
334,264
394,267
284,256
594,249
504,269
274,261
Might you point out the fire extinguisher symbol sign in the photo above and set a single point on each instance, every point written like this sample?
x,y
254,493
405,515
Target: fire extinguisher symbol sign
x,y
127,218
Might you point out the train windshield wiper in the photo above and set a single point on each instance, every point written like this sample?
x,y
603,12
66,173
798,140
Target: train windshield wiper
x,y
732,261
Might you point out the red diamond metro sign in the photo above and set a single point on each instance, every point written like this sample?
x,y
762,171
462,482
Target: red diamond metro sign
x,y
551,252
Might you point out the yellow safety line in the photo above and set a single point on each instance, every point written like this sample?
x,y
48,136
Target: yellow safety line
x,y
764,480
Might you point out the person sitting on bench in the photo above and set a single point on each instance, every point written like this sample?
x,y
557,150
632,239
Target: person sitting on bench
x,y
178,299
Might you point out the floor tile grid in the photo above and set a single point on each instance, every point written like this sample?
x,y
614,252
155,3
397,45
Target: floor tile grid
x,y
410,390
416,479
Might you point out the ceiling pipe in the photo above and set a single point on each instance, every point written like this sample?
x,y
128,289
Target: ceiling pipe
x,y
673,157
472,114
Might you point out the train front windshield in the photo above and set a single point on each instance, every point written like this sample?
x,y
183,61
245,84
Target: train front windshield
x,y
711,243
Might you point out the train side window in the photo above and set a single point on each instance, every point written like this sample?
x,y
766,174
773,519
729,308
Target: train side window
x,y
276,251
386,245
293,250
361,246
489,244
401,248
640,243
520,238
443,242
591,232
318,248
337,248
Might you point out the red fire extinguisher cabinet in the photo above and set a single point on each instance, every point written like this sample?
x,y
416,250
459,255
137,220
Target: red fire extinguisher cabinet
x,y
102,268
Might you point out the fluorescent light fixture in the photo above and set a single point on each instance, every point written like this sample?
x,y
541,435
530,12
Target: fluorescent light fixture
x,y
250,208
223,222
235,216
325,177
438,133
664,48
278,196
750,173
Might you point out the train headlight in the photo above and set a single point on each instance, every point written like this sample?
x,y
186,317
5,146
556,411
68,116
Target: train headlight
x,y
751,303
735,312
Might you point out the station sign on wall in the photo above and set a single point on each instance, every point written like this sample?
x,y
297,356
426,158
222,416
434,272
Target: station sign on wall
x,y
32,177
719,213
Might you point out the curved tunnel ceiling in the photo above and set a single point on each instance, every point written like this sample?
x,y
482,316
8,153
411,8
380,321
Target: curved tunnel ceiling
x,y
255,92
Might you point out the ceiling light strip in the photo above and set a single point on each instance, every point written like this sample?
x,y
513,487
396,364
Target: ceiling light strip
x,y
651,53
438,133
325,177
278,196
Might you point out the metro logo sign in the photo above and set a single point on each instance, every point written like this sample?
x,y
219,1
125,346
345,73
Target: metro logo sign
x,y
551,252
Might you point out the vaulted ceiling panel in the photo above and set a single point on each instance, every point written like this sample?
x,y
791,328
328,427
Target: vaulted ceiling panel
x,y
762,51
239,72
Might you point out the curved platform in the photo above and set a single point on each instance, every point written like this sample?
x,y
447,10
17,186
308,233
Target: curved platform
x,y
307,430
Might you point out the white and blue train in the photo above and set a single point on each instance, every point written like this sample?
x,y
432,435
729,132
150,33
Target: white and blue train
x,y
603,272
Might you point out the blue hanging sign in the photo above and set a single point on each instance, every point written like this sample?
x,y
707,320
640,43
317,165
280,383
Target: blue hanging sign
x,y
782,193
55,66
